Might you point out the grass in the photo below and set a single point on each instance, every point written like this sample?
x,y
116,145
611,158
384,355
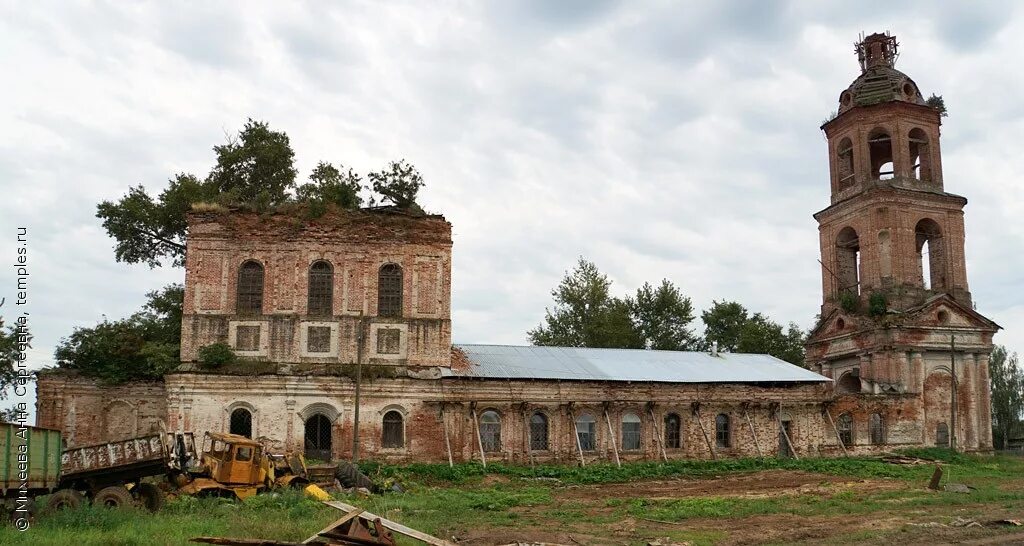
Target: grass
x,y
446,501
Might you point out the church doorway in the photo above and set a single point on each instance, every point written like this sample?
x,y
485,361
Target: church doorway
x,y
318,437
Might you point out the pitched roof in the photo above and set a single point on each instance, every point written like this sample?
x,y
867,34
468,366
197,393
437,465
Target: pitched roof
x,y
585,364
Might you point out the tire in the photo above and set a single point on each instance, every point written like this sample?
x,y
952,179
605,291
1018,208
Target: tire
x,y
115,496
149,496
64,498
350,476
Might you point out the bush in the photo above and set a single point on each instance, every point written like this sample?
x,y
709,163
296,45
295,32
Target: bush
x,y
216,355
877,304
849,302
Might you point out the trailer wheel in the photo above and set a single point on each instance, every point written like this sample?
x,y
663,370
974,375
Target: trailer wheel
x,y
150,496
64,498
115,496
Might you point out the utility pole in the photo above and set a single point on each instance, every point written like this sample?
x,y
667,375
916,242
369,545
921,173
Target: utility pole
x,y
360,337
952,394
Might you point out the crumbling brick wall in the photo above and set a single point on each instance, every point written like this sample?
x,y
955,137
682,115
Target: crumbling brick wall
x,y
87,412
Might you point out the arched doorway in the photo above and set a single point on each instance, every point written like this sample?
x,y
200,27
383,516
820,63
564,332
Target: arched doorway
x,y
241,422
318,437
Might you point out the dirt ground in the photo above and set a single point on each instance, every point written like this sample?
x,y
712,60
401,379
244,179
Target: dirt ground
x,y
600,524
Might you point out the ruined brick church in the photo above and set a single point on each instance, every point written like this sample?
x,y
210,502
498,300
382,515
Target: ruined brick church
x,y
342,326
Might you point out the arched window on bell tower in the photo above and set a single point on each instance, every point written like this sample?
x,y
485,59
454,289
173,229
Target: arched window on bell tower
x,y
848,261
920,155
931,254
880,151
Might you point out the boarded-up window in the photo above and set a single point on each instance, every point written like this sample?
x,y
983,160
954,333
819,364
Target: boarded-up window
x,y
877,429
490,430
942,435
672,436
393,430
247,338
586,432
538,432
630,432
250,289
388,341
321,289
722,437
845,425
389,291
318,339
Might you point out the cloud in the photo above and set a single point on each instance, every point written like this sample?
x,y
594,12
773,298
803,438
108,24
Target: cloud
x,y
658,140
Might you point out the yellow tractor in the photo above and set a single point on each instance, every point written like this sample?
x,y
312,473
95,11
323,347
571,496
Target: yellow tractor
x,y
234,466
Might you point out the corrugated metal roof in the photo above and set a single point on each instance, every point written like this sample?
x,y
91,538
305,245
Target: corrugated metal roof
x,y
530,362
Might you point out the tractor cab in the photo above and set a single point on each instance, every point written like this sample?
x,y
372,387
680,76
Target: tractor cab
x,y
233,459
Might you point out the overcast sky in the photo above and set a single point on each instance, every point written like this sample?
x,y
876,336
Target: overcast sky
x,y
656,139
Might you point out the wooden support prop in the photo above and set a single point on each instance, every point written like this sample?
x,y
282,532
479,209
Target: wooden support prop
x,y
579,446
393,525
835,429
447,442
778,417
696,411
757,444
611,435
479,439
336,523
657,433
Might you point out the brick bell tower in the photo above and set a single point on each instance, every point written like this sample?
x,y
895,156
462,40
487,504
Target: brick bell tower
x,y
897,320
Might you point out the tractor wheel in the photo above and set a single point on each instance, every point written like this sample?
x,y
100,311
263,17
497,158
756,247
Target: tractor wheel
x,y
115,496
150,496
64,498
350,476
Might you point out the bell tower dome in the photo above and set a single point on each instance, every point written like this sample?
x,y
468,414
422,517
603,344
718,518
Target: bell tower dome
x,y
896,311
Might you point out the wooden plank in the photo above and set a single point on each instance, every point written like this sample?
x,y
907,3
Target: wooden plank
x,y
447,442
333,525
714,456
579,446
393,525
611,435
479,439
836,429
757,444
657,434
782,428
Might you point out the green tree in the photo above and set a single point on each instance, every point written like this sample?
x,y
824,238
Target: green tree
x,y
142,346
1007,392
585,314
736,330
330,185
257,167
398,184
10,352
663,316
723,323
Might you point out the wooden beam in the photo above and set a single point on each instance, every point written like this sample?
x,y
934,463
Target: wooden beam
x,y
714,456
782,428
479,439
611,435
447,442
757,444
579,446
393,525
836,430
657,433
339,521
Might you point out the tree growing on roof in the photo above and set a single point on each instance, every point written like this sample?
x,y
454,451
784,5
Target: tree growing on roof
x,y
398,184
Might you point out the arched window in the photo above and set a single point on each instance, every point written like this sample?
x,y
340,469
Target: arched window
x,y
931,254
490,430
880,150
920,156
848,261
321,289
876,427
942,435
393,430
722,438
845,425
848,383
241,422
630,432
844,159
249,299
538,432
389,291
586,431
672,436
318,437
